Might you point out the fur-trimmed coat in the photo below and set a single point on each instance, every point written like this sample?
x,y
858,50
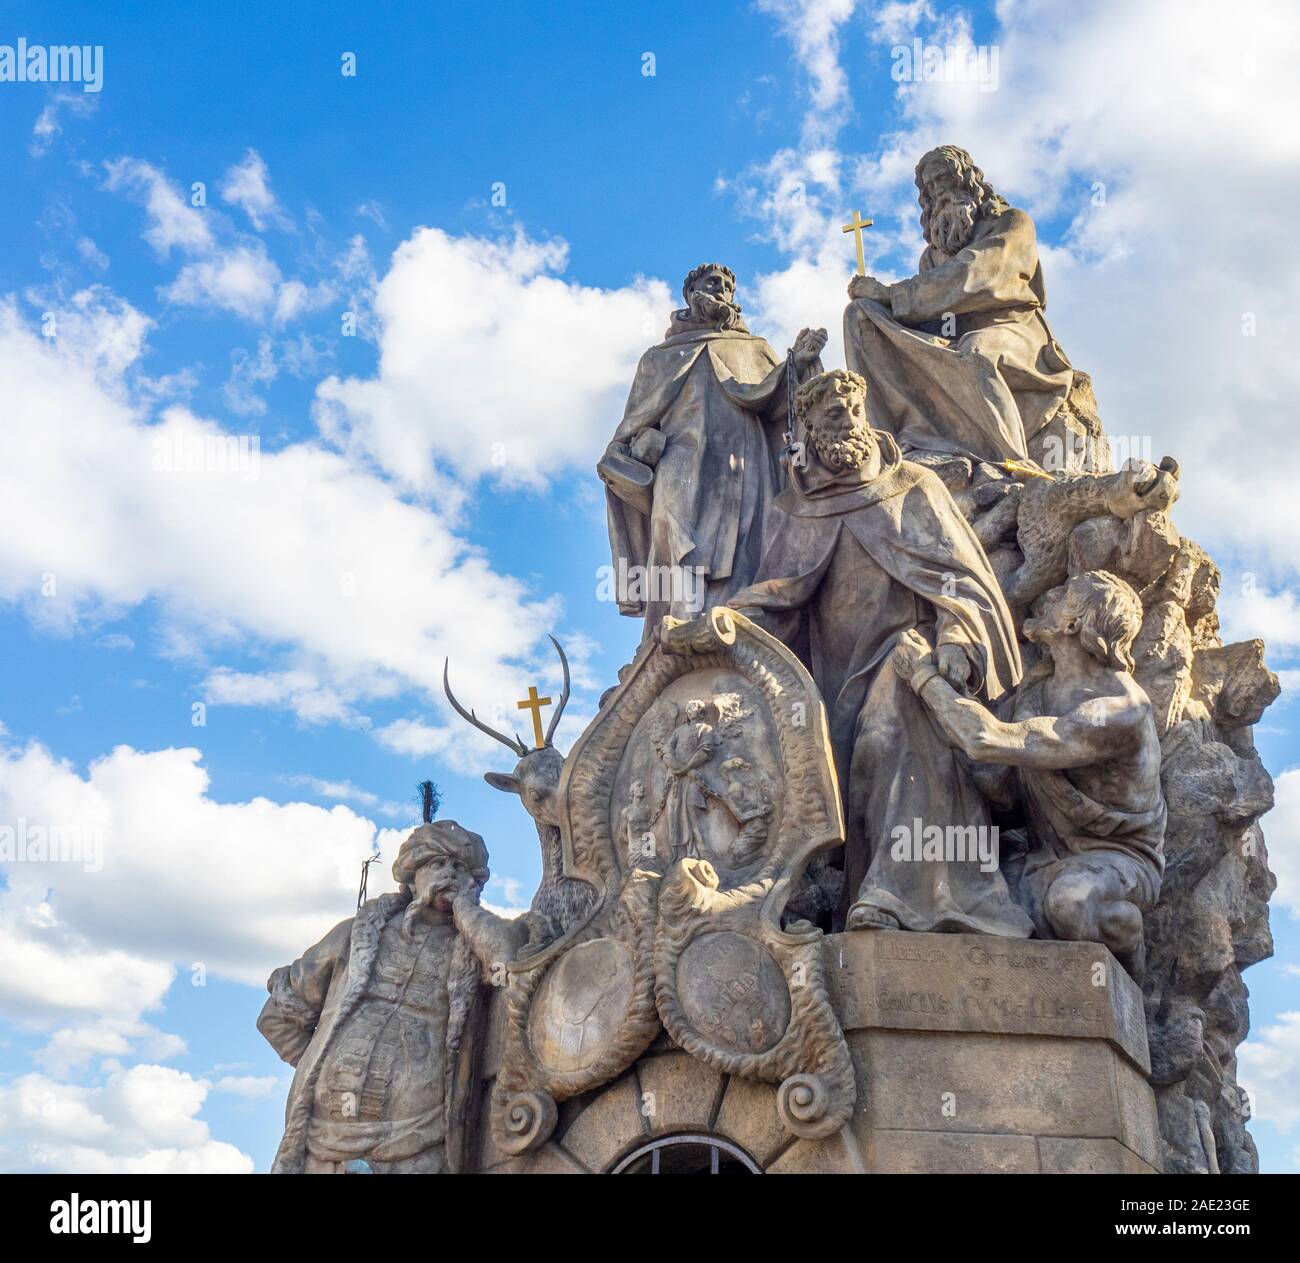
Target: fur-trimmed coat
x,y
310,1003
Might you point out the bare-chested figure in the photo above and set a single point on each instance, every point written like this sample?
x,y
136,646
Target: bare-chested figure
x,y
1083,745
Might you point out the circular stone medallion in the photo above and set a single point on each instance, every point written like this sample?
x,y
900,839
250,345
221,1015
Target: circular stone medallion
x,y
733,992
580,1005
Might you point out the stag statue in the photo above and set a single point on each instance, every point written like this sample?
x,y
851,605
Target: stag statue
x,y
560,902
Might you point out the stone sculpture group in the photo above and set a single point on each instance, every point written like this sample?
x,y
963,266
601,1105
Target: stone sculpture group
x,y
915,660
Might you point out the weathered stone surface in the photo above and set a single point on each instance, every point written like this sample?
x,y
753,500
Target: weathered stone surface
x,y
678,1093
949,1153
1077,1155
999,1084
748,1116
965,982
1234,684
1051,510
722,434
560,901
713,977
837,1155
550,1159
1162,655
1139,1126
608,1126
1210,924
1074,442
993,373
580,1004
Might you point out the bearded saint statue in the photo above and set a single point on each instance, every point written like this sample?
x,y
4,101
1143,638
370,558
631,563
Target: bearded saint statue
x,y
871,547
694,465
959,358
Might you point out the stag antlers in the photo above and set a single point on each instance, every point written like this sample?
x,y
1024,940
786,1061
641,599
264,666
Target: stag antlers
x,y
514,743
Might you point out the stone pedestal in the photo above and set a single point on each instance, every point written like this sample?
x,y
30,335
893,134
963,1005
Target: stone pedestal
x,y
973,1054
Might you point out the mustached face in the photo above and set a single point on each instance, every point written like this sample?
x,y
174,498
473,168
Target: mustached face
x,y
710,309
714,284
436,882
840,433
949,209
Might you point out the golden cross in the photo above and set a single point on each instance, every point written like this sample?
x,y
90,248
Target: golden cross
x,y
534,703
856,227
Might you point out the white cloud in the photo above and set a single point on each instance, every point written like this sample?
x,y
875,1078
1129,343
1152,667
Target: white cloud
x,y
1269,1068
418,740
227,271
1282,829
491,364
299,691
1273,617
97,331
374,212
92,254
140,1120
250,372
812,26
297,299
173,222
346,791
248,186
48,123
71,1047
103,940
1149,292
250,1087
358,592
242,279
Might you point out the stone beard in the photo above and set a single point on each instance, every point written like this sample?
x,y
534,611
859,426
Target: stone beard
x,y
959,358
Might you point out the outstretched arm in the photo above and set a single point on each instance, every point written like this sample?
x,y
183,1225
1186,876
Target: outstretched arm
x,y
1092,732
1088,734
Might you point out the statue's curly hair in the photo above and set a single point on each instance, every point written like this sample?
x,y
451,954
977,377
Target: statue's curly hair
x,y
696,272
971,178
1111,617
839,381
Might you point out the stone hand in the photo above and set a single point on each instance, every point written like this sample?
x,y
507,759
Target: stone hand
x,y
910,654
869,287
808,346
954,666
463,889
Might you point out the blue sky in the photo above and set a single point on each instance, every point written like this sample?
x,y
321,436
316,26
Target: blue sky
x,y
504,202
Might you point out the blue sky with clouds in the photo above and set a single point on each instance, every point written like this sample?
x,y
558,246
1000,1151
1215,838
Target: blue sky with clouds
x,y
422,289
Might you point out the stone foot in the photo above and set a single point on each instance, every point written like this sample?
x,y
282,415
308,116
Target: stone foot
x,y
862,916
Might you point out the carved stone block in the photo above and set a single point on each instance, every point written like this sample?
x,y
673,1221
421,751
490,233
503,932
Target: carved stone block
x,y
962,982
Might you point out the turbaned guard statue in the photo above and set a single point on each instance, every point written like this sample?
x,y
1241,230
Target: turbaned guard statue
x,y
373,1018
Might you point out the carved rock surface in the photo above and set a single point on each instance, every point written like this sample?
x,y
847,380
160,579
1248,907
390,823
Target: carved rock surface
x,y
1211,921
